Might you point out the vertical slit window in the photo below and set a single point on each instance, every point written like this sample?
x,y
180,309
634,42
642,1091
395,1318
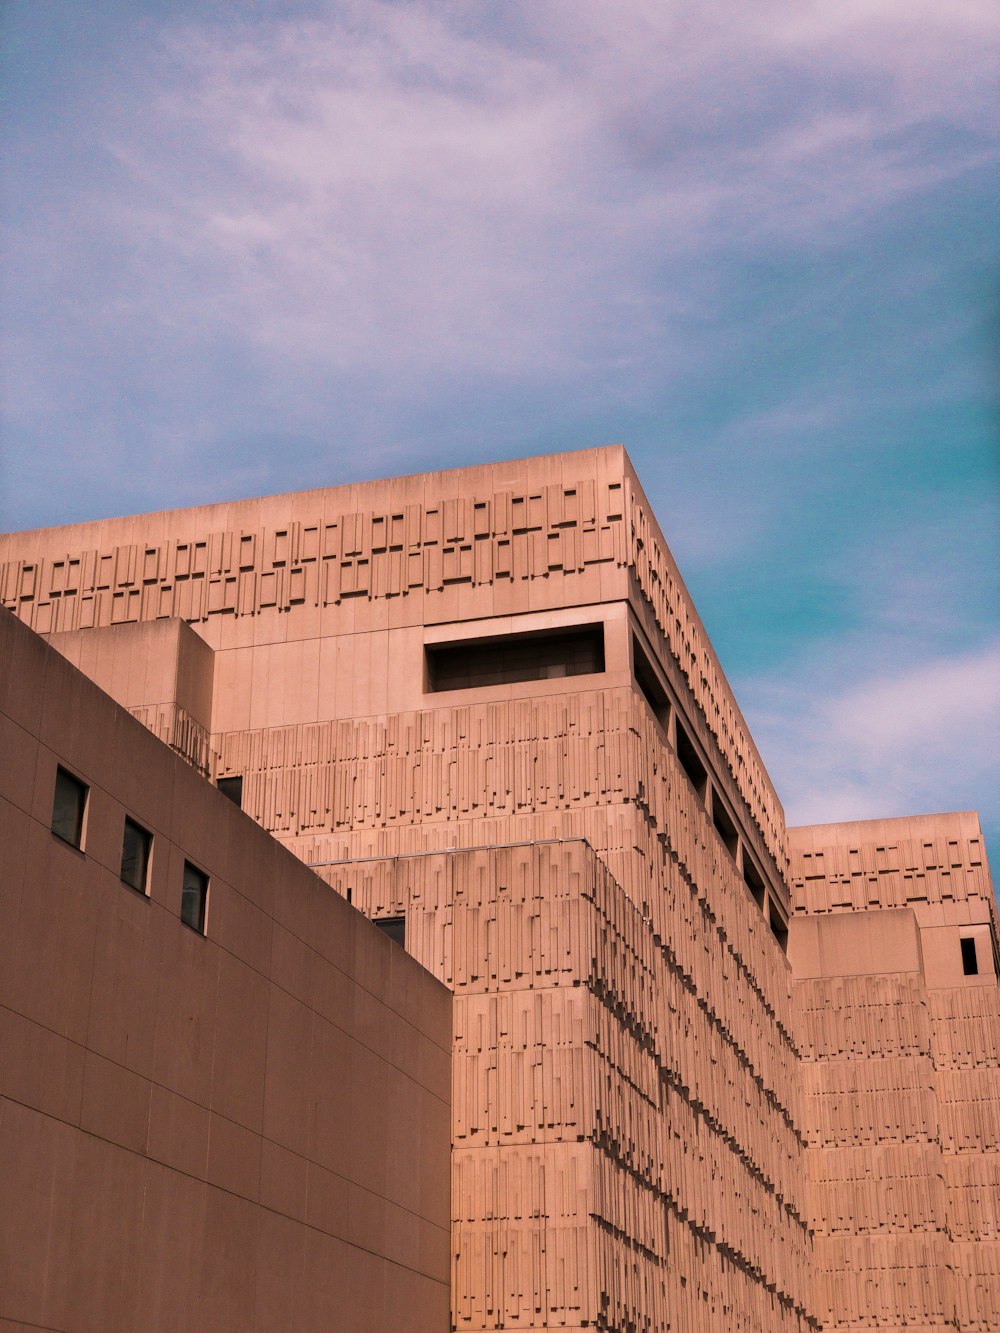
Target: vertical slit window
x,y
970,963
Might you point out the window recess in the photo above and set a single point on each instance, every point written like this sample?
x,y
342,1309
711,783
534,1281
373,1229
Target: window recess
x,y
753,880
649,683
508,659
724,826
779,928
690,762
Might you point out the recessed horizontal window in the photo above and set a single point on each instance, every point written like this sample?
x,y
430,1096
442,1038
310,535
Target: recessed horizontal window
x,y
136,844
505,660
194,898
68,805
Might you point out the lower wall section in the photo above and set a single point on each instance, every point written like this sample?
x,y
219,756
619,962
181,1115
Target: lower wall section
x,y
244,1127
105,1238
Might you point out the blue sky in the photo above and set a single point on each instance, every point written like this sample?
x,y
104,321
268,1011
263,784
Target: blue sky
x,y
257,247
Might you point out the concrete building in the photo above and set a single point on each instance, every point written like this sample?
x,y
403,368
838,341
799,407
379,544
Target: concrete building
x,y
707,1073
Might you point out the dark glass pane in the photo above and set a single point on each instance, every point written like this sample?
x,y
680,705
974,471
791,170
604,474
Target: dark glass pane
x,y
194,896
67,807
135,855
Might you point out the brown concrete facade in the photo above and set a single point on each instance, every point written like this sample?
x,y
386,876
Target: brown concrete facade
x,y
243,1126
482,705
894,948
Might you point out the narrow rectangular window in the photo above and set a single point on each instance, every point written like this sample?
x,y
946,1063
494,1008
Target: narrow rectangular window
x,y
970,963
194,897
394,927
233,789
136,843
68,806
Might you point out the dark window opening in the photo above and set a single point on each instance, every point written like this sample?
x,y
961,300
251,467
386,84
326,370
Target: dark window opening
x,y
691,764
233,789
724,826
547,655
68,805
394,927
752,879
648,681
194,897
970,963
136,843
778,928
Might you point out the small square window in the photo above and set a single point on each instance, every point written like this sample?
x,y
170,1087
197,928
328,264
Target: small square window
x,y
68,806
233,789
394,927
194,897
136,844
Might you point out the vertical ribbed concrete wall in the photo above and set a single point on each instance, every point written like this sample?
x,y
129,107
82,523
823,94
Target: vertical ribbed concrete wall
x,y
902,1072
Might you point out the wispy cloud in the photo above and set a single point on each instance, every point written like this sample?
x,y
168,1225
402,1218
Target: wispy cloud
x,y
849,740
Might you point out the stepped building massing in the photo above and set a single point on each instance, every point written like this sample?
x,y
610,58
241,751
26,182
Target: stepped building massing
x,y
708,1073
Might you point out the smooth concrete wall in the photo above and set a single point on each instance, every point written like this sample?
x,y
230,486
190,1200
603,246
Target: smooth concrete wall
x,y
243,1129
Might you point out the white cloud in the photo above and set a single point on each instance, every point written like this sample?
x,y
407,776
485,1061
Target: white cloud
x,y
853,741
398,191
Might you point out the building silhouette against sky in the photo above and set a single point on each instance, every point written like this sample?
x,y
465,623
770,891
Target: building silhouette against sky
x,y
706,1072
